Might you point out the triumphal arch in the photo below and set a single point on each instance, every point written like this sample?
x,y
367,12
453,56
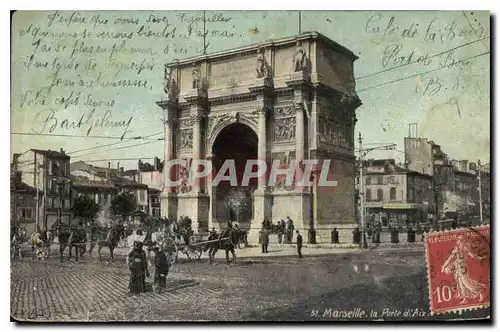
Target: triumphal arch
x,y
290,100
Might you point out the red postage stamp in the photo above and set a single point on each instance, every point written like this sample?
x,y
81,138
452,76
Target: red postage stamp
x,y
458,269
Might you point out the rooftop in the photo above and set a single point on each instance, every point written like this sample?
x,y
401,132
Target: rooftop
x,y
19,186
268,43
52,154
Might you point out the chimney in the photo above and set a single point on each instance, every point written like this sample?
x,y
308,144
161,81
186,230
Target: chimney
x,y
157,164
62,151
139,164
118,166
109,164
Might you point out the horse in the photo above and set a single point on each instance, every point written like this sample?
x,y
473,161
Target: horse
x,y
113,236
72,238
41,240
227,241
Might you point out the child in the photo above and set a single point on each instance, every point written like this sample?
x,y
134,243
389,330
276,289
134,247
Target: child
x,y
161,269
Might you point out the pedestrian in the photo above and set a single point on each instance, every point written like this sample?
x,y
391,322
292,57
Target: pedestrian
x,y
138,266
265,240
161,268
299,244
280,232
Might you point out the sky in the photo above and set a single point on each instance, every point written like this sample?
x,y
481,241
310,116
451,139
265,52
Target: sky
x,y
430,68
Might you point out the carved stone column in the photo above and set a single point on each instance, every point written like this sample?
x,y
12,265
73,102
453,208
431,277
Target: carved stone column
x,y
196,204
168,196
197,117
299,141
262,147
262,208
300,199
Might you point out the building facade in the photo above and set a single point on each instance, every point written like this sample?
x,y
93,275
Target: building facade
x,y
395,195
154,196
49,171
151,174
289,100
23,200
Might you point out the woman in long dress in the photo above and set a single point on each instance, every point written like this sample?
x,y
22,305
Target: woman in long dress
x,y
456,265
138,266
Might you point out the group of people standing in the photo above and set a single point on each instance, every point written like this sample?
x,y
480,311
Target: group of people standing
x,y
284,230
138,265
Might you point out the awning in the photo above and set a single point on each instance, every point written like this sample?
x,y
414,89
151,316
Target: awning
x,y
400,206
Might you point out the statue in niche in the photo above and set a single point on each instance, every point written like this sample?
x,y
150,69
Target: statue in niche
x,y
196,72
184,177
299,58
170,85
263,69
186,139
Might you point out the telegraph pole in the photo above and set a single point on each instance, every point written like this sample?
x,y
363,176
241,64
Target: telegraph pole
x,y
204,33
60,185
361,193
480,193
37,217
300,22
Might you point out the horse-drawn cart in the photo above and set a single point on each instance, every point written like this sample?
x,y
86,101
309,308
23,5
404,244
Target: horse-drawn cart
x,y
192,249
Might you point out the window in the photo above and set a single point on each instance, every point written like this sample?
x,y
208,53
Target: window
x,y
392,194
142,195
391,179
380,179
368,195
380,195
27,213
368,180
411,194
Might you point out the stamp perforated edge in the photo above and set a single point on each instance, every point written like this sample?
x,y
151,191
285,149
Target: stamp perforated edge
x,y
451,310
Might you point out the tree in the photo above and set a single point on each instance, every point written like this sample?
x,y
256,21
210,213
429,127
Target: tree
x,y
123,204
239,201
84,207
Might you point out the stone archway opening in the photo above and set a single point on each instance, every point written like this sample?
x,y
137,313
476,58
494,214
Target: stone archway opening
x,y
236,142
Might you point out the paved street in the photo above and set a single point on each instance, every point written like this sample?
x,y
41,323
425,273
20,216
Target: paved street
x,y
274,288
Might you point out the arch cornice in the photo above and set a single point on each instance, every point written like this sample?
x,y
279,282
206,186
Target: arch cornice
x,y
216,123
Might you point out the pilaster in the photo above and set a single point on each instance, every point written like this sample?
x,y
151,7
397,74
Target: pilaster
x,y
263,89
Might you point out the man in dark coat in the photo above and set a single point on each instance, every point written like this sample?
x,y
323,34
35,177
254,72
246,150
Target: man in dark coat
x,y
161,268
138,266
299,244
265,240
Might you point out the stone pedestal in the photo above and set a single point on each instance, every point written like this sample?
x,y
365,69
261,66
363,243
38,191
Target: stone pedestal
x,y
262,210
196,207
296,205
324,232
169,204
